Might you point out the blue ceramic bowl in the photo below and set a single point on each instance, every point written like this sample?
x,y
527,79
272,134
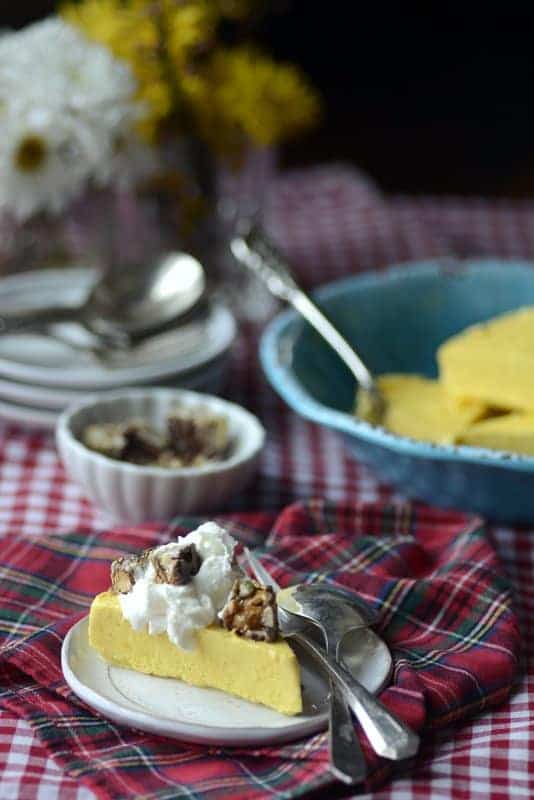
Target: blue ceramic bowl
x,y
397,319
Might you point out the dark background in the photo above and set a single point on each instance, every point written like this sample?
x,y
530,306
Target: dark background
x,y
427,100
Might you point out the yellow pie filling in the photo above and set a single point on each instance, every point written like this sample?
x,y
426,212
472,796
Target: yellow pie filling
x,y
420,408
261,672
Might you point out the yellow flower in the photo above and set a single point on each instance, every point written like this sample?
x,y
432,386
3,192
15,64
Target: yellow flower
x,y
237,9
128,31
245,96
230,96
190,28
156,37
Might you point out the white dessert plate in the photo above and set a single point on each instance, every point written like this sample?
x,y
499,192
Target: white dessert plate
x,y
40,359
28,415
37,413
169,707
208,378
44,397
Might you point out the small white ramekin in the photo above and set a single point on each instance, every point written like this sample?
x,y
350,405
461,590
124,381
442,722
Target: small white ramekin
x,y
133,493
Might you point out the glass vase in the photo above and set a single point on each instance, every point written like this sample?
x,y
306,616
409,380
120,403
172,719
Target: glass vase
x,y
187,201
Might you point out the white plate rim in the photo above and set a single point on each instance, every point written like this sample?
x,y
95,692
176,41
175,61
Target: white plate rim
x,y
45,396
219,316
18,414
46,417
186,731
48,398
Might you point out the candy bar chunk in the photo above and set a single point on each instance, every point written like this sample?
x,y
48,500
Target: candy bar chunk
x,y
143,445
105,438
177,566
126,570
193,434
169,460
132,441
251,611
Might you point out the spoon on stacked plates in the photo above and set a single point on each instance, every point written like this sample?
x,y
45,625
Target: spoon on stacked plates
x,y
122,309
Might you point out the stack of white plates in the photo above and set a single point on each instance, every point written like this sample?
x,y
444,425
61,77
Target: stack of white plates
x,y
40,375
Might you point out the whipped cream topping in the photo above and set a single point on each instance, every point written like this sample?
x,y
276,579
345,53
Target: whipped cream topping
x,y
180,611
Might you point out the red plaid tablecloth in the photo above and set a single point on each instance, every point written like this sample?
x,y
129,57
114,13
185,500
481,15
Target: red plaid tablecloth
x,y
330,222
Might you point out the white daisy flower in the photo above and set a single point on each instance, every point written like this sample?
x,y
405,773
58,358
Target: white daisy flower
x,y
44,162
68,114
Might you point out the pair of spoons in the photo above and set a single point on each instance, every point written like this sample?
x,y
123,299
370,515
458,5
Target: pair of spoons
x,y
121,309
336,617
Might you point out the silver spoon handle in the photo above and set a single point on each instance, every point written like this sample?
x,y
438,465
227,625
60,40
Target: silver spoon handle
x,y
347,761
12,322
337,342
388,736
256,253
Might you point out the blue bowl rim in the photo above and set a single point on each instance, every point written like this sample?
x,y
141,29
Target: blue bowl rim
x,y
293,393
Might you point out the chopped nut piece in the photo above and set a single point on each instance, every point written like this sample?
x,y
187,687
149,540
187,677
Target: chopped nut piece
x,y
132,441
125,570
177,568
183,437
215,435
199,461
168,459
142,444
251,611
106,438
246,588
196,435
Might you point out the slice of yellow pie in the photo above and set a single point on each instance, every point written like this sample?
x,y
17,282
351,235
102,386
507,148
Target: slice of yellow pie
x,y
185,610
510,432
492,362
419,407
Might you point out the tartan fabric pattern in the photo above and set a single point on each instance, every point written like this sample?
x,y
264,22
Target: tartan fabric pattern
x,y
331,221
445,609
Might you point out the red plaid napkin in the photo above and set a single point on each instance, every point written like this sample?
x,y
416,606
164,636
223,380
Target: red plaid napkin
x,y
446,615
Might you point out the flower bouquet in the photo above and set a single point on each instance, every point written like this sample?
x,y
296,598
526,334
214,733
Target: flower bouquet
x,y
141,103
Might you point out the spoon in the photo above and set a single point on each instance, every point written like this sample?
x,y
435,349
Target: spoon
x,y
252,249
327,608
346,759
344,745
388,735
123,307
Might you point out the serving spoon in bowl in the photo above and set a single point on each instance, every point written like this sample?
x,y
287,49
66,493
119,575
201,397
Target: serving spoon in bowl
x,y
120,309
251,248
